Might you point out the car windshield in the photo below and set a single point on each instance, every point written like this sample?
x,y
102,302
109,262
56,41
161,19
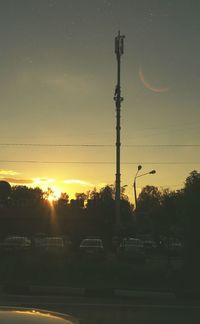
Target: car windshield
x,y
91,243
132,242
100,159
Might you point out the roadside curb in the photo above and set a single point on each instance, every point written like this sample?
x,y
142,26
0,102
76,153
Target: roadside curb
x,y
18,289
56,290
144,294
88,292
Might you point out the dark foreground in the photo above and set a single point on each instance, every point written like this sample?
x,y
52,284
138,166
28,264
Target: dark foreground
x,y
112,311
62,270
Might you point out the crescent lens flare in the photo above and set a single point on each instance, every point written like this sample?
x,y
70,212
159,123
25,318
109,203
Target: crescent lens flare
x,y
148,85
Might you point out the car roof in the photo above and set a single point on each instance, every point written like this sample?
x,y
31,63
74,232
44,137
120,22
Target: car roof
x,y
92,239
18,315
132,239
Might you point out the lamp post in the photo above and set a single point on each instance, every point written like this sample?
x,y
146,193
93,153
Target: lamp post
x,y
138,176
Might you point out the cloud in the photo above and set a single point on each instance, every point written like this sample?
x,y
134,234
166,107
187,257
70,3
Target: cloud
x,y
84,183
42,180
18,181
101,185
80,182
8,172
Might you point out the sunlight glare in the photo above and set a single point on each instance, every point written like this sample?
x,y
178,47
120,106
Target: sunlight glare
x,y
54,195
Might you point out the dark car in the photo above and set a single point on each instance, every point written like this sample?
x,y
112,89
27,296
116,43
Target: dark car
x,y
149,246
92,247
131,249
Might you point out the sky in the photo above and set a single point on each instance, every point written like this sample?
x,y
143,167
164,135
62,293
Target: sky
x,y
57,81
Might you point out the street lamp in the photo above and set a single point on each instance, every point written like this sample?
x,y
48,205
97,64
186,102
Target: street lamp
x,y
137,176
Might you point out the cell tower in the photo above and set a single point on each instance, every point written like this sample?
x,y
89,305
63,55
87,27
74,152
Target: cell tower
x,y
119,50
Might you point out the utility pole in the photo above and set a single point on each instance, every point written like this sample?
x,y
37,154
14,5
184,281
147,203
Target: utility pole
x,y
119,50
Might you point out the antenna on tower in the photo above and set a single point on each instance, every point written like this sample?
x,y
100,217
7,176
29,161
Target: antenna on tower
x,y
119,44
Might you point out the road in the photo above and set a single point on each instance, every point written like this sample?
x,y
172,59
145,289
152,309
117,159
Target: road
x,y
112,311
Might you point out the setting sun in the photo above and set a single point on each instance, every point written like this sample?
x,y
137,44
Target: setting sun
x,y
53,194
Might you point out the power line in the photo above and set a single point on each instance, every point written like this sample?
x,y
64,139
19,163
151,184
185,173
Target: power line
x,y
101,162
56,162
162,145
54,145
97,145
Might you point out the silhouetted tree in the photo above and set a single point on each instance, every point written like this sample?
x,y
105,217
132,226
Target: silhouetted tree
x,y
5,191
192,225
24,196
81,199
148,209
172,218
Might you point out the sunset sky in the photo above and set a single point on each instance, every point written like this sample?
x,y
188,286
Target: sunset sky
x,y
57,80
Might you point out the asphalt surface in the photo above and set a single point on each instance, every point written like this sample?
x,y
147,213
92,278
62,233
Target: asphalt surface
x,y
112,311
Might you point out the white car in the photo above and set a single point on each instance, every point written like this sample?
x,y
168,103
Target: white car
x,y
15,242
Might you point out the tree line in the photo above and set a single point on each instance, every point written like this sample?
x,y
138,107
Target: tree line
x,y
159,212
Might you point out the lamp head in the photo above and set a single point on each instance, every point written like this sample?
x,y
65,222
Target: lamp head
x,y
152,172
139,167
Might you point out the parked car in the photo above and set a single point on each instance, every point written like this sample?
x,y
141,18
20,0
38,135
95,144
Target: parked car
x,y
149,246
92,247
16,243
38,240
174,248
53,244
67,244
115,243
131,249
